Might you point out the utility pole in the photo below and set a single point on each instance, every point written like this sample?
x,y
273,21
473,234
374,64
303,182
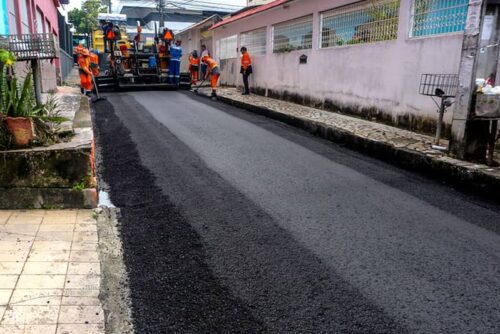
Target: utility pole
x,y
160,6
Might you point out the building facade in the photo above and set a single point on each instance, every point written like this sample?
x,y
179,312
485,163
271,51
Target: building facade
x,y
359,57
36,17
195,36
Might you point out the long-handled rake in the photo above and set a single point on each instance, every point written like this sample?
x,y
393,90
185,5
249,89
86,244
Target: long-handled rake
x,y
99,98
199,86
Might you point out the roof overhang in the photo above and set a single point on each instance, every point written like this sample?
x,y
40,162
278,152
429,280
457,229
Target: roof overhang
x,y
250,12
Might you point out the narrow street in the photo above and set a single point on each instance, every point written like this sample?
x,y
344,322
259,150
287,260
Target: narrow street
x,y
232,222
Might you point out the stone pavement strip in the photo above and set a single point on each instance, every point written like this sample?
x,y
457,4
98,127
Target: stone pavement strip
x,y
49,272
362,133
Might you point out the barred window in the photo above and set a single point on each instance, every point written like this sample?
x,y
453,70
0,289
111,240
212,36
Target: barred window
x,y
436,17
293,35
228,47
254,41
364,22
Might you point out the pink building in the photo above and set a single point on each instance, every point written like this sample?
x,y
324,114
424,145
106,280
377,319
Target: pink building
x,y
360,57
31,17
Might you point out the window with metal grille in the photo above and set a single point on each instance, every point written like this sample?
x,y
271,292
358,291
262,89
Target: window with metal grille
x,y
293,35
364,22
254,41
228,47
436,17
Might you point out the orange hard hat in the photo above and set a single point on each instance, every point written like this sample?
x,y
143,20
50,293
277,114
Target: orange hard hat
x,y
204,58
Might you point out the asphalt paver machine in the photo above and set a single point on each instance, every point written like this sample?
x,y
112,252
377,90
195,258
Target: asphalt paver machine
x,y
136,64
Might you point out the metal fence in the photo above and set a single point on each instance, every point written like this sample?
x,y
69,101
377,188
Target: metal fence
x,y
30,46
66,61
293,35
254,41
435,17
363,22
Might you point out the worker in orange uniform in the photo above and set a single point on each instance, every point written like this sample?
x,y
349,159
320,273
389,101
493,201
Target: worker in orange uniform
x,y
214,71
246,68
94,63
85,72
77,51
194,65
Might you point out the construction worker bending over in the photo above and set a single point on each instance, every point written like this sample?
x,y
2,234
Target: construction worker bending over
x,y
174,67
194,65
213,70
77,52
85,73
246,68
94,63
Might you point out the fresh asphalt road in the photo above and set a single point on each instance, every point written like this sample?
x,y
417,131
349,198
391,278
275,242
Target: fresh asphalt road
x,y
232,222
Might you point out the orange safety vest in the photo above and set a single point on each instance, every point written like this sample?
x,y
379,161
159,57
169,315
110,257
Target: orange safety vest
x,y
211,63
94,59
110,35
168,36
246,61
84,65
124,50
194,61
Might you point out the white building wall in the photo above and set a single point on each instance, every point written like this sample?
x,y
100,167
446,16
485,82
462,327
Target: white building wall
x,y
379,78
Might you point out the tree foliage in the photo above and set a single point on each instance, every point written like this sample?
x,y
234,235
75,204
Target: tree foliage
x,y
84,19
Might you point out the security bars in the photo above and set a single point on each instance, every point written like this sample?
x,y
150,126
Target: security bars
x,y
254,41
364,22
436,17
293,35
228,47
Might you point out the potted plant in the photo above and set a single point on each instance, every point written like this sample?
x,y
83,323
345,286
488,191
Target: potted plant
x,y
17,103
19,108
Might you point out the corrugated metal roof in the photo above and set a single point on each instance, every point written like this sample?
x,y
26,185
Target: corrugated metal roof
x,y
250,12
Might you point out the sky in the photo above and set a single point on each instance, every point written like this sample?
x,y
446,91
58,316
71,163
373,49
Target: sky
x,y
78,3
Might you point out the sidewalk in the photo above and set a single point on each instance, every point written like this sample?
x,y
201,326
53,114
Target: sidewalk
x,y
408,149
49,272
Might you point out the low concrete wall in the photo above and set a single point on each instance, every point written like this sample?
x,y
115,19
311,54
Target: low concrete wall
x,y
58,176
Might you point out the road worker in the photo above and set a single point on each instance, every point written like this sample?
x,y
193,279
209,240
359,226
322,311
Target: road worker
x,y
174,66
246,68
94,63
77,51
213,70
85,72
108,35
194,66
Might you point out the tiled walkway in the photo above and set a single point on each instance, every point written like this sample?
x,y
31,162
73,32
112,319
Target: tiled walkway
x,y
49,272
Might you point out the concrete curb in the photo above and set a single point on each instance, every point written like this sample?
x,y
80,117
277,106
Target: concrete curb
x,y
449,170
115,293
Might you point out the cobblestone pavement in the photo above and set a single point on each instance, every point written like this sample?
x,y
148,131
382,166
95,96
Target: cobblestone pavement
x,y
378,132
49,272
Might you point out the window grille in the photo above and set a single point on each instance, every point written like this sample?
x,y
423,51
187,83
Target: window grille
x,y
364,22
254,41
228,47
293,35
436,17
